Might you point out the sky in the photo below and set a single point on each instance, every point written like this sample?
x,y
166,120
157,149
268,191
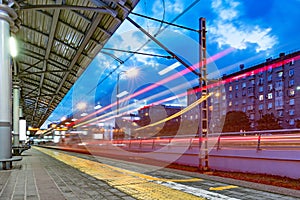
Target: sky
x,y
238,32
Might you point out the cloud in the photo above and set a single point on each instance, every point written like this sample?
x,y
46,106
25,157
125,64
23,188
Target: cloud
x,y
130,38
173,7
229,29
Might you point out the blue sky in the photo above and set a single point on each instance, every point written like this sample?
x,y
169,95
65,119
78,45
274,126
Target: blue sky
x,y
255,29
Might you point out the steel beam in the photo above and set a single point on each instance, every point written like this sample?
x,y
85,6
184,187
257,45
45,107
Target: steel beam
x,y
88,35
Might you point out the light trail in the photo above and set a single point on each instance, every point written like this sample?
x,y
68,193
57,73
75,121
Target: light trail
x,y
163,81
194,104
246,74
133,105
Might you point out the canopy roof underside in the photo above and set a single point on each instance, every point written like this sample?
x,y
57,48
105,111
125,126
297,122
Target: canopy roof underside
x,y
57,40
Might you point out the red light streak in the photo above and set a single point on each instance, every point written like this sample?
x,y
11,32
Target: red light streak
x,y
168,79
222,82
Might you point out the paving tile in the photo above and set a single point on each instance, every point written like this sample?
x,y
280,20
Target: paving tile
x,y
41,177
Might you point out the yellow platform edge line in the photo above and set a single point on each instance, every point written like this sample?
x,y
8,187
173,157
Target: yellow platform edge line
x,y
223,187
137,185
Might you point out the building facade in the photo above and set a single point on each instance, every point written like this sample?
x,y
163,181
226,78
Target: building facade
x,y
156,113
272,87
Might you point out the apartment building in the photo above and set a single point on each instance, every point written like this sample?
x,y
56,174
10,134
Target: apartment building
x,y
269,87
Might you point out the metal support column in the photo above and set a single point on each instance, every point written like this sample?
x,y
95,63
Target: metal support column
x,y
16,112
5,90
203,126
6,158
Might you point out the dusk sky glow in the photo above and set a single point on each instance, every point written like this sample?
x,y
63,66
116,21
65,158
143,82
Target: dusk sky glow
x,y
238,32
128,109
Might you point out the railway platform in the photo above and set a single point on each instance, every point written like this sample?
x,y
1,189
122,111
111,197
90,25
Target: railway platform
x,y
57,175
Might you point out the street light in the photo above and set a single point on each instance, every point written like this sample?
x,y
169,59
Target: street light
x,y
133,72
82,107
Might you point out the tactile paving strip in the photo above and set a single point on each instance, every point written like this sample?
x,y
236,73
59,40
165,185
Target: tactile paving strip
x,y
137,185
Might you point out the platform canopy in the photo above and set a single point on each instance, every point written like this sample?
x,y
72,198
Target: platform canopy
x,y
57,40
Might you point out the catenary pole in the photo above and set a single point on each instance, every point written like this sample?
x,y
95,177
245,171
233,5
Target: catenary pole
x,y
203,92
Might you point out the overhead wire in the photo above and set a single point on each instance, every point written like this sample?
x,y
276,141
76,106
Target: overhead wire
x,y
160,30
149,40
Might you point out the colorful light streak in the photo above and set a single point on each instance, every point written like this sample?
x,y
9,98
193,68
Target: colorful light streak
x,y
191,106
163,81
222,82
135,109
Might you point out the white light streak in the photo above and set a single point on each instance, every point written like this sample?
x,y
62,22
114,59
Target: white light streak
x,y
170,68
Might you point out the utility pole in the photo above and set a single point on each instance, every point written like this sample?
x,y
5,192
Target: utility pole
x,y
203,92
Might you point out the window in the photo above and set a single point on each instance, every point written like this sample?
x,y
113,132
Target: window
x,y
269,77
270,87
292,121
279,93
244,109
230,96
291,83
261,107
252,116
243,93
280,74
270,105
292,102
280,113
244,85
279,103
250,107
230,103
252,82
237,87
230,88
261,97
291,92
236,103
236,95
224,97
291,112
270,96
292,62
216,100
244,101
260,89
260,81
278,85
251,91
291,72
